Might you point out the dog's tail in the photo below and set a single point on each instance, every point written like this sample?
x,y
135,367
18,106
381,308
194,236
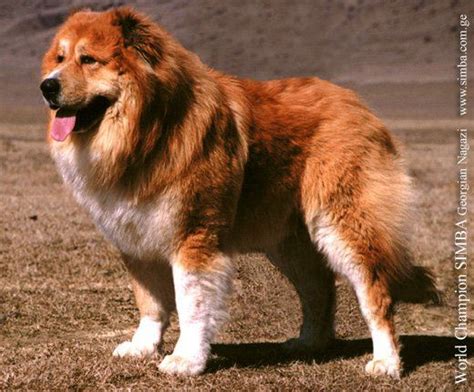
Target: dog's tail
x,y
407,282
416,286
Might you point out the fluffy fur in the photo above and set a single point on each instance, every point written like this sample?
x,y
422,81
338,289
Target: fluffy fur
x,y
181,167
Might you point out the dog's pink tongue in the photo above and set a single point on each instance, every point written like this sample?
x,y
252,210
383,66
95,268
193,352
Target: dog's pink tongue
x,y
62,126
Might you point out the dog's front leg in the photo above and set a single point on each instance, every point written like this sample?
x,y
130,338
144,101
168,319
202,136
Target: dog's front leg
x,y
201,292
154,293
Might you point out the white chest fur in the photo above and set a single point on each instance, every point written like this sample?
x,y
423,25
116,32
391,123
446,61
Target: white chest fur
x,y
142,230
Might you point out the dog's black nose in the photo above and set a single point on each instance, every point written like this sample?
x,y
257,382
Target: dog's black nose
x,y
50,87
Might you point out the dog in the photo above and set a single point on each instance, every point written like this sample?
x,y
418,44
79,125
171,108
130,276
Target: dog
x,y
182,167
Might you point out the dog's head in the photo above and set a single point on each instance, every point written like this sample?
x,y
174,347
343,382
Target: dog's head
x,y
92,59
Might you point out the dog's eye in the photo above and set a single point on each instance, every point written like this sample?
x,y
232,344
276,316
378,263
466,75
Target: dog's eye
x,y
88,59
59,58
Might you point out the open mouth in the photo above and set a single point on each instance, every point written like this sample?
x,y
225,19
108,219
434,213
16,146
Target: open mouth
x,y
67,120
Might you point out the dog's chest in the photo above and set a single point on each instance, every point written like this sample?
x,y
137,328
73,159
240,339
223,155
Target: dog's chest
x,y
144,230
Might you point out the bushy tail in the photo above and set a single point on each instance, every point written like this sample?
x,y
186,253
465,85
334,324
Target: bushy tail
x,y
417,286
407,282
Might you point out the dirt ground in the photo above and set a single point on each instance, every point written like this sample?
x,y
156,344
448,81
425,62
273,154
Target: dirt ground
x,y
65,300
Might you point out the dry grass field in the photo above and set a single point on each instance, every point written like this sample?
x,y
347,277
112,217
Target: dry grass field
x,y
65,301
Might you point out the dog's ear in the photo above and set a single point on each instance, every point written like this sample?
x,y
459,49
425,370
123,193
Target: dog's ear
x,y
139,33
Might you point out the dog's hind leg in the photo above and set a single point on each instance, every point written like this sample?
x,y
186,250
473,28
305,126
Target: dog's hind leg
x,y
154,293
355,199
361,260
307,270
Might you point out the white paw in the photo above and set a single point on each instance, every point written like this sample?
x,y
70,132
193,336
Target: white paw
x,y
144,342
132,349
386,366
175,364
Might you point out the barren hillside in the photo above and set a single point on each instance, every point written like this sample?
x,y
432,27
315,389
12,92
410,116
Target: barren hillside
x,y
412,45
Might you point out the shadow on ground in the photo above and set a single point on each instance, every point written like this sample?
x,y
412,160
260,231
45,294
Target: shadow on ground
x,y
417,350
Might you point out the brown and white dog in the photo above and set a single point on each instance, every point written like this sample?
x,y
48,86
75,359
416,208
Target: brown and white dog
x,y
181,167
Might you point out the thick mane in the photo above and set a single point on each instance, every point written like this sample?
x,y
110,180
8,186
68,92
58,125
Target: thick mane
x,y
169,104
